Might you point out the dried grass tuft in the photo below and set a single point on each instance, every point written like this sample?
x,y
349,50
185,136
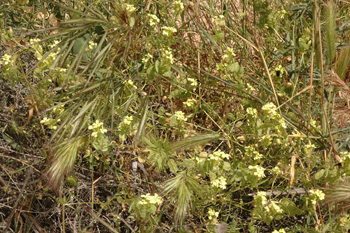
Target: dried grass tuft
x,y
338,195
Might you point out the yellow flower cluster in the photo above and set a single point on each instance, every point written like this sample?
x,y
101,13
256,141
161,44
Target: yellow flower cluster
x,y
276,170
97,128
178,6
168,31
343,221
130,83
219,183
180,116
7,61
253,112
190,102
129,8
34,43
193,81
212,214
167,56
316,196
258,171
219,20
260,199
270,111
127,120
147,58
218,155
273,207
344,155
270,207
252,153
49,122
148,199
91,46
250,88
153,19
280,231
229,55
59,110
279,69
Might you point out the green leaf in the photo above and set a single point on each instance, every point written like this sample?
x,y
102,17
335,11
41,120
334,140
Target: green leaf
x,y
226,166
173,166
10,141
168,73
219,36
332,175
159,151
156,66
79,44
233,67
178,93
173,122
319,174
162,120
161,111
189,163
239,124
230,116
290,208
101,143
212,175
204,167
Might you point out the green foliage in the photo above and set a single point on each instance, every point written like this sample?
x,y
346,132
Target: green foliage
x,y
183,187
330,30
216,110
160,151
147,204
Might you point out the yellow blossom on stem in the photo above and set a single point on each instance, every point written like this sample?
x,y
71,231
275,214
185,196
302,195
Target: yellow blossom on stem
x,y
149,199
97,128
212,214
153,19
168,31
180,116
219,183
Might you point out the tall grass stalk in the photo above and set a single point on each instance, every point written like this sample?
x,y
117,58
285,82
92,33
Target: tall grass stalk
x,y
330,32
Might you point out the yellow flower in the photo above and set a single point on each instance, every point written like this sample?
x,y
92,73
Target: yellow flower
x,y
180,116
97,128
149,199
168,31
219,20
212,214
179,6
190,102
219,183
153,19
129,8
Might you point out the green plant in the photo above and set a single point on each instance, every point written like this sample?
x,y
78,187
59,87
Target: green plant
x,y
223,109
